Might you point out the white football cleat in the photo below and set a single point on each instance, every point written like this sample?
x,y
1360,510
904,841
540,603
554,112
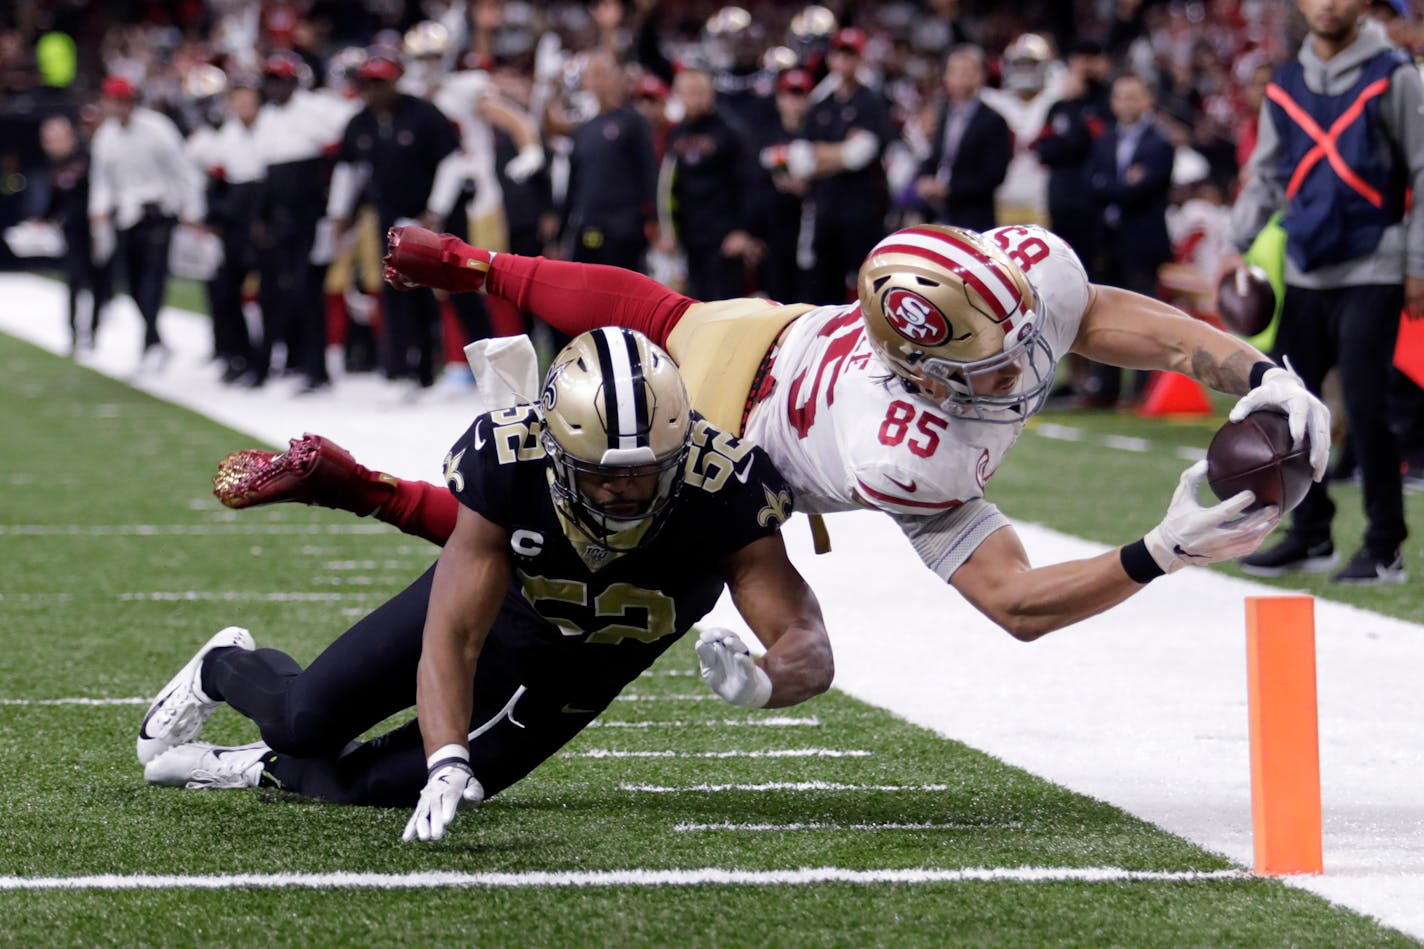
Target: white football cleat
x,y
178,714
201,765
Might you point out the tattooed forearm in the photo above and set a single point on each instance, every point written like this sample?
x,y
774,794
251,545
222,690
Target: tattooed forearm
x,y
1231,374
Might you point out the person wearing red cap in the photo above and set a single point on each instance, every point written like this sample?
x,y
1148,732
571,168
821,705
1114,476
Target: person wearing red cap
x,y
141,183
295,132
782,198
393,147
650,98
845,136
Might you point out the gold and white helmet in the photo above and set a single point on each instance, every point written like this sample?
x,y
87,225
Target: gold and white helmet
x,y
614,406
953,317
1026,63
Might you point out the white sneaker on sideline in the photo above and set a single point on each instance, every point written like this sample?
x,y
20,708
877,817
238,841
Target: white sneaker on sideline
x,y
181,709
198,764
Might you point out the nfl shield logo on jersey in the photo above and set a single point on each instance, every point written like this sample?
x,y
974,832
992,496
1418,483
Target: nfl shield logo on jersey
x,y
915,318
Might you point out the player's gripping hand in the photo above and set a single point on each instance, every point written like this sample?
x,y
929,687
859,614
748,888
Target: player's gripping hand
x,y
1282,389
1192,535
451,783
729,670
417,257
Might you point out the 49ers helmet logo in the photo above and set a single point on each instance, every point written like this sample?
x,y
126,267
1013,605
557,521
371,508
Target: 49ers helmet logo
x,y
915,318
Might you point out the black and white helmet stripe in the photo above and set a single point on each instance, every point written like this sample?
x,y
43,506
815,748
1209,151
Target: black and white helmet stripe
x,y
624,392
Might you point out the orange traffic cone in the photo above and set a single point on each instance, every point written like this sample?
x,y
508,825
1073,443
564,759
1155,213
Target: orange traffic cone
x,y
1171,393
1409,350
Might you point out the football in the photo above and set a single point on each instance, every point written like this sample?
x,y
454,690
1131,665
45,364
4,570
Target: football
x,y
1255,454
1245,300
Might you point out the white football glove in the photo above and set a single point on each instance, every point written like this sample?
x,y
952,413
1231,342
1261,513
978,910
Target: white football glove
x,y
528,162
450,784
1192,535
729,670
800,159
1282,389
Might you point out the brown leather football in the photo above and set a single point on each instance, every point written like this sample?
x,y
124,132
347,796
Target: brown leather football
x,y
1255,454
1245,300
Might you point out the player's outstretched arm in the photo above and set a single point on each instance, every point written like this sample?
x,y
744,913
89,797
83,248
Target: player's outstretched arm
x,y
783,612
471,578
1029,601
1122,328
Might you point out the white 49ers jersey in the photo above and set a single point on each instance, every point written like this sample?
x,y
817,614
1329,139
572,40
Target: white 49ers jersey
x,y
845,432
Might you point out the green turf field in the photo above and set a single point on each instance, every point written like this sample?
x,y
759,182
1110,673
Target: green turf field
x,y
118,564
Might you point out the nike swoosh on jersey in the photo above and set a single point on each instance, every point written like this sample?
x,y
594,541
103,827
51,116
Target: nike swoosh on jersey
x,y
571,710
746,469
479,439
907,488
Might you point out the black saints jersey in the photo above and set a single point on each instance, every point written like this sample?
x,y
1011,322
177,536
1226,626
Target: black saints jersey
x,y
610,610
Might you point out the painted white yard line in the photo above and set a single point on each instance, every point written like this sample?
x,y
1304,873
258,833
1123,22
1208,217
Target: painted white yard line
x,y
777,753
671,697
777,786
692,828
1127,443
132,700
238,596
1069,433
774,721
1062,433
703,876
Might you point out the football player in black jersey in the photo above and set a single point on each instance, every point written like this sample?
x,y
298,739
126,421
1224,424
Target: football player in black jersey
x,y
594,529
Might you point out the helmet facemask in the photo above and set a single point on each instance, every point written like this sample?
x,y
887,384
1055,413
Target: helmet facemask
x,y
614,530
617,425
973,387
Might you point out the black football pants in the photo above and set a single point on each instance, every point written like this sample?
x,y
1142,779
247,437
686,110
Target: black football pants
x,y
310,716
1354,329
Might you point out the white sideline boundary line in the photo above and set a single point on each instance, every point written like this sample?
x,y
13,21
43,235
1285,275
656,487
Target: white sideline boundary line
x,y
591,879
772,722
779,753
692,828
776,786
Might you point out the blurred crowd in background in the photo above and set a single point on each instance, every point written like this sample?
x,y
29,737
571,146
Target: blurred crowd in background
x,y
263,147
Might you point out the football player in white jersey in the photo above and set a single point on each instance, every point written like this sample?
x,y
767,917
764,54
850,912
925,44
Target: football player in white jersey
x,y
905,401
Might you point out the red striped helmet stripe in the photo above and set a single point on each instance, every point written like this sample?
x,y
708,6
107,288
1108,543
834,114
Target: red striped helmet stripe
x,y
962,257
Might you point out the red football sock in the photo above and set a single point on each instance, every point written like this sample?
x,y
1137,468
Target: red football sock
x,y
336,319
574,298
419,508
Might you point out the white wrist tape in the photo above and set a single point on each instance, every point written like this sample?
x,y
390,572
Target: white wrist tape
x,y
445,752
